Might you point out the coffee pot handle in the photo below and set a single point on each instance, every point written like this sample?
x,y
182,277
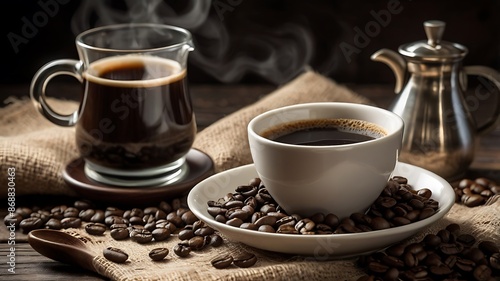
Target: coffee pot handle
x,y
39,84
494,77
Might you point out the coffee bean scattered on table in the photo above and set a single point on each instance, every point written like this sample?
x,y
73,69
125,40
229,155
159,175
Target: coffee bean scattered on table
x,y
158,254
446,255
243,260
115,255
222,262
251,207
476,192
147,225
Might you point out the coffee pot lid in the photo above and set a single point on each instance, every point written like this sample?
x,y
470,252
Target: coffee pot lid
x,y
434,49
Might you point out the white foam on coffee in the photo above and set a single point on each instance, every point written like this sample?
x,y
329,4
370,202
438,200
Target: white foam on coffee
x,y
98,67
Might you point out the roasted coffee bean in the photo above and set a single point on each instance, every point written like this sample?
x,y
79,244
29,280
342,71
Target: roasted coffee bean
x,y
71,222
287,229
221,262
450,248
71,212
204,231
95,228
400,221
158,254
249,226
267,220
86,215
287,220
495,261
233,204
53,224
425,213
115,255
83,204
465,265
488,247
472,200
98,216
332,220
160,234
386,202
377,267
236,222
109,220
215,240
237,213
400,179
112,211
266,228
186,234
119,233
245,260
41,214
466,239
378,223
136,221
196,243
432,240
425,192
305,225
141,236
13,219
188,217
174,218
182,250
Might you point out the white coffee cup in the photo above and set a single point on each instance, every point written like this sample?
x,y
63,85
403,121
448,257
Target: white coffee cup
x,y
339,179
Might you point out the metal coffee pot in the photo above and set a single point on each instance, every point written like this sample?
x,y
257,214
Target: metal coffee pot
x,y
440,130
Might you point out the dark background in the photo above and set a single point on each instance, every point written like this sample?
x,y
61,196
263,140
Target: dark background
x,y
253,41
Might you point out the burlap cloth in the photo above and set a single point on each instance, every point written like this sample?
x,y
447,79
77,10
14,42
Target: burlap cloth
x,y
39,150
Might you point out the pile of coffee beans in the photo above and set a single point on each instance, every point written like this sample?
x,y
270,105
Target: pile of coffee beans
x,y
476,192
252,207
243,260
446,255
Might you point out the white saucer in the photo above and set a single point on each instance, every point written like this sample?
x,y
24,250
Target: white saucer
x,y
321,247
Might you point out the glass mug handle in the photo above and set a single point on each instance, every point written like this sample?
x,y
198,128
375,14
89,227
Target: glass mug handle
x,y
39,84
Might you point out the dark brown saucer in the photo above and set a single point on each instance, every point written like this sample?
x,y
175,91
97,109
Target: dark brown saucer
x,y
200,167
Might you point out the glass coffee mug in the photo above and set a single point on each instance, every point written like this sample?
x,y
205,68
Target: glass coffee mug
x,y
135,123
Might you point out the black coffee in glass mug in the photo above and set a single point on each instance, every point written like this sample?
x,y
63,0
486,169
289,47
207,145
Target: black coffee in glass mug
x,y
135,119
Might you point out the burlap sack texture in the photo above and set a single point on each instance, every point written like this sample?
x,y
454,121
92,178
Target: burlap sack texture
x,y
39,150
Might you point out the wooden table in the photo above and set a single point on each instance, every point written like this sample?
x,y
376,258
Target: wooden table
x,y
211,103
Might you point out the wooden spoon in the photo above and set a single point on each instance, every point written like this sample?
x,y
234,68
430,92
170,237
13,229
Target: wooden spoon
x,y
61,247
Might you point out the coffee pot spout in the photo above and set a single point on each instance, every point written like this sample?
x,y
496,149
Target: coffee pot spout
x,y
396,62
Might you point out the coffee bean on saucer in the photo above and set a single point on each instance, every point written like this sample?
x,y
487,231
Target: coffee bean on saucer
x,y
245,260
115,255
158,254
221,262
95,228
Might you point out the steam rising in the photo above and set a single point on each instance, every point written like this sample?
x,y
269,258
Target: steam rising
x,y
276,54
